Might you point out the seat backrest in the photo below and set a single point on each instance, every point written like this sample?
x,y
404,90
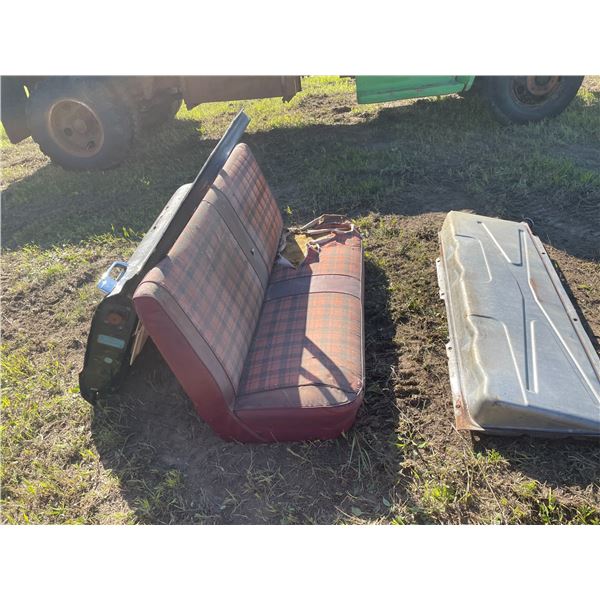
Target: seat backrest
x,y
249,194
202,302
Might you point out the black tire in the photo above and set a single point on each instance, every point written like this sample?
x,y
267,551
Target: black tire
x,y
160,113
82,123
512,100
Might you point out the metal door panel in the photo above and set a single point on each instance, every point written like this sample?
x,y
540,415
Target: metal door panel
x,y
520,360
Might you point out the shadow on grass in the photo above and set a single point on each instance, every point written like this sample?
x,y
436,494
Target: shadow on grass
x,y
173,469
53,206
430,156
554,462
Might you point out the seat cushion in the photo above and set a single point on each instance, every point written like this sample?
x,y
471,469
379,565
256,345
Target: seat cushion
x,y
340,254
304,340
304,375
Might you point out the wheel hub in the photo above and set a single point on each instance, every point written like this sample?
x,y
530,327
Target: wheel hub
x,y
76,128
540,85
534,90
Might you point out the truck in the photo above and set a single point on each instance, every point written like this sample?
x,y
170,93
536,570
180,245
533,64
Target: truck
x,y
91,123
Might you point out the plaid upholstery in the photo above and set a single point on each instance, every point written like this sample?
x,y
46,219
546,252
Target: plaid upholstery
x,y
306,339
252,363
339,255
208,276
242,181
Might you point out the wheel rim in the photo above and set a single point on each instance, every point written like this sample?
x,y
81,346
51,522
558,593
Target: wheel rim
x,y
534,90
76,128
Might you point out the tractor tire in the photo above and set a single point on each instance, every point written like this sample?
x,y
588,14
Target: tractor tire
x,y
82,123
525,99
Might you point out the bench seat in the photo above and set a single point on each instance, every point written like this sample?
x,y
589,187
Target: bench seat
x,y
266,352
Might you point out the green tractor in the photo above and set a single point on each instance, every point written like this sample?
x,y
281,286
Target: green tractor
x,y
514,99
87,123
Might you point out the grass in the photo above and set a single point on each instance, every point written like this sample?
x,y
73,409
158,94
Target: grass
x,y
142,456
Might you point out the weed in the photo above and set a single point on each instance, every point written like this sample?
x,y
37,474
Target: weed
x,y
438,496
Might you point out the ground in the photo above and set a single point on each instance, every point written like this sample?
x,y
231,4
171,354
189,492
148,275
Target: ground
x,y
142,456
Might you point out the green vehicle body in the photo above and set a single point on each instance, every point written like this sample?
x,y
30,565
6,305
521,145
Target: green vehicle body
x,y
384,88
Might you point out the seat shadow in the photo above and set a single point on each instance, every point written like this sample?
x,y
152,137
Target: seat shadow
x,y
173,469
